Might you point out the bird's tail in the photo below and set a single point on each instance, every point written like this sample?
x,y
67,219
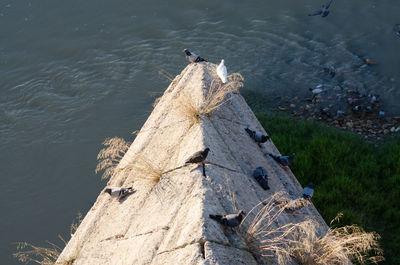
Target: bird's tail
x,y
273,156
216,217
250,132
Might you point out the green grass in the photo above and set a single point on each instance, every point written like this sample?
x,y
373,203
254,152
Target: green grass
x,y
351,175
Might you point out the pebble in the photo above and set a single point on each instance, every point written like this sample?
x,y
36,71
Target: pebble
x,y
292,106
349,124
386,131
386,125
398,129
393,129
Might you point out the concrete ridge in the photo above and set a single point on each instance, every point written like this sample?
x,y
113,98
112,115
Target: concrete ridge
x,y
168,223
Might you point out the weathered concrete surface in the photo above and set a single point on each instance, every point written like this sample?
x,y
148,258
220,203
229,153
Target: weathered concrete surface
x,y
168,223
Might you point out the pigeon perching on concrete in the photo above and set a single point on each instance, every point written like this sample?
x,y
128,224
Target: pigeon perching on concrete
x,y
198,158
230,220
308,191
257,136
193,58
284,160
260,174
119,193
323,11
222,72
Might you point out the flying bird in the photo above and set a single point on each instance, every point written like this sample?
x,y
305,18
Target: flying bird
x,y
193,58
198,157
260,174
323,11
119,192
397,29
222,72
257,136
308,191
230,220
283,160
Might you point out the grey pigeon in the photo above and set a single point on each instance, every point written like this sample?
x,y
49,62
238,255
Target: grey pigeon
x,y
308,191
119,192
257,136
323,11
230,220
397,29
198,157
283,160
193,58
260,174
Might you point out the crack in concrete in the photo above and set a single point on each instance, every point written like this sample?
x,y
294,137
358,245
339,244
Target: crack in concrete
x,y
172,220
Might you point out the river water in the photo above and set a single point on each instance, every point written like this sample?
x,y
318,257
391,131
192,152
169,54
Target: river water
x,y
75,72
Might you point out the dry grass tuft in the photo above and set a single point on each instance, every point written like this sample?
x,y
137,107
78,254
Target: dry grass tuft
x,y
39,255
300,242
217,95
110,156
75,223
141,168
188,108
144,169
337,246
164,73
263,236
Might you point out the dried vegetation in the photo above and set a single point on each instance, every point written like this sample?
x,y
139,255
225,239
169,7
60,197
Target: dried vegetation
x,y
217,95
302,243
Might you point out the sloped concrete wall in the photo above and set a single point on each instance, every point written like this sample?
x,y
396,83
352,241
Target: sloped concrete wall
x,y
169,223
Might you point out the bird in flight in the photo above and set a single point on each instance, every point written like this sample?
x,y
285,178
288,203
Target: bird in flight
x,y
323,11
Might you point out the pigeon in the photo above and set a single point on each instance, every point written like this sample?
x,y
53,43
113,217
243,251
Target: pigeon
x,y
308,191
119,192
356,108
198,157
257,136
260,174
397,29
283,160
323,11
230,220
222,72
325,112
316,91
193,58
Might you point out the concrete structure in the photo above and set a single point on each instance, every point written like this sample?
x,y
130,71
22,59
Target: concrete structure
x,y
169,223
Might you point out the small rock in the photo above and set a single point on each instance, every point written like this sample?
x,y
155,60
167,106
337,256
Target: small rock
x,y
349,124
296,98
308,107
386,131
393,129
292,106
386,125
398,129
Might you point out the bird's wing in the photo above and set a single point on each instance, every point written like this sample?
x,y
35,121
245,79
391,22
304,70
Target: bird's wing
x,y
196,156
316,12
328,4
224,72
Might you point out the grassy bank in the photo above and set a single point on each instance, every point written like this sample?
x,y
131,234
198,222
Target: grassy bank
x,y
351,175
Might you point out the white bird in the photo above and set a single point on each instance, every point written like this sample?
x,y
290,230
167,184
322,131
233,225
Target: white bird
x,y
222,72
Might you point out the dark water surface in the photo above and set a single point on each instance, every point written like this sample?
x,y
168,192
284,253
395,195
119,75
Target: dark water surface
x,y
75,72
